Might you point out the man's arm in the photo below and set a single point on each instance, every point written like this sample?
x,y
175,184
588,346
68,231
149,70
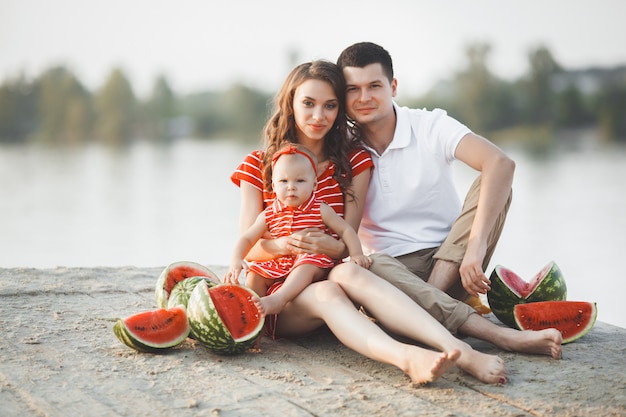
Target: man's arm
x,y
496,170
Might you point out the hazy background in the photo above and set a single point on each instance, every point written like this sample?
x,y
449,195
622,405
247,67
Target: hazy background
x,y
151,202
203,44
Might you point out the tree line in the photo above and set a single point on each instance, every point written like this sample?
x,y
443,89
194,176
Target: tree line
x,y
56,108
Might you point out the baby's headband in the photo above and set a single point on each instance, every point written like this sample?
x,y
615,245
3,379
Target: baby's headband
x,y
291,150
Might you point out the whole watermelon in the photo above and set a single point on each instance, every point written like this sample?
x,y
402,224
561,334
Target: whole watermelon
x,y
223,318
176,272
182,290
508,290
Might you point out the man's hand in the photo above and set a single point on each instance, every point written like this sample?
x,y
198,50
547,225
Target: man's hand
x,y
473,277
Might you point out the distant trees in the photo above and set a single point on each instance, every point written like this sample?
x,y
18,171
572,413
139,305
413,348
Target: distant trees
x,y
116,109
159,111
546,98
56,108
18,109
63,106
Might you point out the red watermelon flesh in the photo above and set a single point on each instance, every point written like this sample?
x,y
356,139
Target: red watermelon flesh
x,y
236,309
518,285
573,319
153,330
175,273
182,272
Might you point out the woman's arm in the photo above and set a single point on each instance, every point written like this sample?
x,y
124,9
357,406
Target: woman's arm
x,y
246,241
353,211
251,206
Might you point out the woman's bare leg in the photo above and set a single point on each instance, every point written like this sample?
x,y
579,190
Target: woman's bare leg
x,y
325,302
398,313
257,283
297,280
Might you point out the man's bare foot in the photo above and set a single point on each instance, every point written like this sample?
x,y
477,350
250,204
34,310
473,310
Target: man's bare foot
x,y
541,342
489,369
268,305
426,366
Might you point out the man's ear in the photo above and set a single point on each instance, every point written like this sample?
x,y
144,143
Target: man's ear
x,y
394,87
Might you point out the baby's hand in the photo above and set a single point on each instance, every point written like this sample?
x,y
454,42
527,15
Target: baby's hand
x,y
232,277
361,260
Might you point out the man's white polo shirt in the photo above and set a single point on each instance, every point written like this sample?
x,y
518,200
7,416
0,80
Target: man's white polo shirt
x,y
412,200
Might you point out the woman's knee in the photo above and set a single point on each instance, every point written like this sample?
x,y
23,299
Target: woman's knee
x,y
349,272
342,271
328,291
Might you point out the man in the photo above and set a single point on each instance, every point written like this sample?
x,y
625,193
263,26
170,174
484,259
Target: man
x,y
412,210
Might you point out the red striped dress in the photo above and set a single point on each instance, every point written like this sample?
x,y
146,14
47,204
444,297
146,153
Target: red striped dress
x,y
283,220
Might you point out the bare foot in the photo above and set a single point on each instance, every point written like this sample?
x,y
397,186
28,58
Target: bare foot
x,y
489,369
256,348
268,305
427,366
259,305
541,342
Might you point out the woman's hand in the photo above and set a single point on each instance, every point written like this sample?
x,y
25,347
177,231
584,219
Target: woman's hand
x,y
313,240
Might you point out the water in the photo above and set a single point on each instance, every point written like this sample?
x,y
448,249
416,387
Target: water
x,y
149,205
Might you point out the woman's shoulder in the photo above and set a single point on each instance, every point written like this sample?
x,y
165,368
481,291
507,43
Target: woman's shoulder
x,y
360,160
250,170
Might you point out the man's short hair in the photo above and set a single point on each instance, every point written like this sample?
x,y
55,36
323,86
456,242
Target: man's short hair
x,y
362,54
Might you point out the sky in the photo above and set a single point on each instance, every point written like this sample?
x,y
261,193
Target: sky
x,y
207,45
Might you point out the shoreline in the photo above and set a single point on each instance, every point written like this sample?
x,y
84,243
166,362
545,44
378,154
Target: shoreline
x,y
61,358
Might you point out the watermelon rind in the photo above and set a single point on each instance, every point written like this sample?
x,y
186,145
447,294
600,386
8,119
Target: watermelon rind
x,y
187,269
182,290
127,336
208,328
573,319
502,299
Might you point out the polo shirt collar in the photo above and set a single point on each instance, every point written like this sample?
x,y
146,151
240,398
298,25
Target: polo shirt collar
x,y
402,134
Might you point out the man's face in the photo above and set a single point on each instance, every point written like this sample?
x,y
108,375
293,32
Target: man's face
x,y
369,93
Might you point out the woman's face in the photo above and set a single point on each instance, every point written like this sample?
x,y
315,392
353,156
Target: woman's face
x,y
315,108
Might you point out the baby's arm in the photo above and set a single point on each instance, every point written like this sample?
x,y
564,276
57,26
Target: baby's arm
x,y
347,234
242,247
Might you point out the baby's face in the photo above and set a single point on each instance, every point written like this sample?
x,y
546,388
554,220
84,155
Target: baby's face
x,y
293,179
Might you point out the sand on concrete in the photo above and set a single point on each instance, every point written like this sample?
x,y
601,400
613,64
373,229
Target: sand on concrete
x,y
59,357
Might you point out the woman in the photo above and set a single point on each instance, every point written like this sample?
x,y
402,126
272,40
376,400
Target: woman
x,y
310,111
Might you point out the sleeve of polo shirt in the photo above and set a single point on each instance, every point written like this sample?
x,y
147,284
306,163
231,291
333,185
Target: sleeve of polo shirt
x,y
445,132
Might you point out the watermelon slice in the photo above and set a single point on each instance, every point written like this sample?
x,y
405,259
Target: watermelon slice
x,y
224,318
154,330
573,319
